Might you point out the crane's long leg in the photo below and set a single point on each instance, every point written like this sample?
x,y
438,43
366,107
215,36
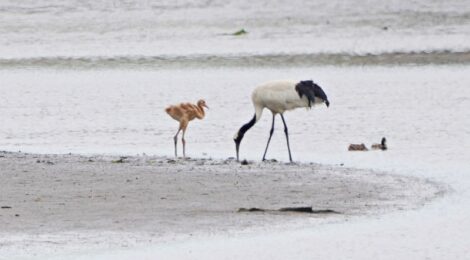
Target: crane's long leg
x,y
269,139
176,141
287,136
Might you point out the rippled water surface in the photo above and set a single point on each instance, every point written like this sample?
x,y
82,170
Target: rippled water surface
x,y
421,110
95,76
71,28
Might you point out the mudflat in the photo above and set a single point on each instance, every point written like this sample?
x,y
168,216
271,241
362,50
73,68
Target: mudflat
x,y
154,198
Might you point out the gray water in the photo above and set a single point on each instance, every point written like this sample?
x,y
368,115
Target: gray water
x,y
95,76
159,34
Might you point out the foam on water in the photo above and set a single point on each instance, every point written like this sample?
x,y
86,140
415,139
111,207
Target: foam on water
x,y
277,60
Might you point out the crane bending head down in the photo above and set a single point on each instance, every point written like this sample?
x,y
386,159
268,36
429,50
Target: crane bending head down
x,y
280,96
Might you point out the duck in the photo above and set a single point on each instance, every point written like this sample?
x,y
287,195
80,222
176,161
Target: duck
x,y
382,146
357,147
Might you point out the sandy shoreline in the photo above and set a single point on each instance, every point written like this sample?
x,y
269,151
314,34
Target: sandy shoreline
x,y
64,200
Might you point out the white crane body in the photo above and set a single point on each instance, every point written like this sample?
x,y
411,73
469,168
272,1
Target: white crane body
x,y
280,96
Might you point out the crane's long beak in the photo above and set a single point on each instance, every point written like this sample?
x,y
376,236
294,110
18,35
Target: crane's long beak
x,y
327,103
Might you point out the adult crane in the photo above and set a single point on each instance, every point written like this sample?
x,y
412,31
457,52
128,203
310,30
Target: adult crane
x,y
280,96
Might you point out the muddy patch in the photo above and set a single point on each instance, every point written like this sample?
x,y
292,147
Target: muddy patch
x,y
153,197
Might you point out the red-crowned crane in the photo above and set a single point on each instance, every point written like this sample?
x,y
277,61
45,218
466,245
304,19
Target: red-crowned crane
x,y
280,96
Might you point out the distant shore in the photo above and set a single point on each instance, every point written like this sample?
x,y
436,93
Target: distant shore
x,y
58,199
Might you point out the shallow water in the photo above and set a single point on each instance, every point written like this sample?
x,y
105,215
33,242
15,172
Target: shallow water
x,y
421,110
115,28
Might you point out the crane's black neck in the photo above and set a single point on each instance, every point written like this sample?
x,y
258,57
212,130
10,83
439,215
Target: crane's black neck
x,y
244,129
239,136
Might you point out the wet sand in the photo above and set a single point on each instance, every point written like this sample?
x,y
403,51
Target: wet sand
x,y
65,200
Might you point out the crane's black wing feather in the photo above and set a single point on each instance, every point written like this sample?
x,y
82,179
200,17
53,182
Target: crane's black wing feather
x,y
311,90
305,88
321,94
